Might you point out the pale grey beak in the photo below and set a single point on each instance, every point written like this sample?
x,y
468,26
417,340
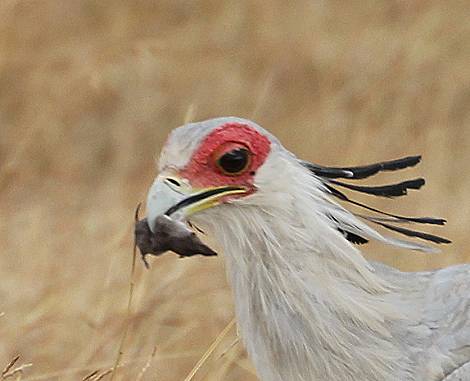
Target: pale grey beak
x,y
163,194
174,197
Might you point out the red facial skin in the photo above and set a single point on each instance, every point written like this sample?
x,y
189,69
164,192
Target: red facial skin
x,y
202,170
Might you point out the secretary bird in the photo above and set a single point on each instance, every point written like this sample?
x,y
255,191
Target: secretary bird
x,y
309,306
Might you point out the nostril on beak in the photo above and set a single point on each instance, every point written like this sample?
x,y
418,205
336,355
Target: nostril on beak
x,y
173,181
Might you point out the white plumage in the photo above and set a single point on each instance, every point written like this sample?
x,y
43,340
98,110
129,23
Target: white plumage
x,y
308,305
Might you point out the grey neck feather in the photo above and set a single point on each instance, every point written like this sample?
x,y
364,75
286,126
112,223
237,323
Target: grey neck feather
x,y
308,305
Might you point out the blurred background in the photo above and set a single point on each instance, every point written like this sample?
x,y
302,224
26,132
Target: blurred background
x,y
88,93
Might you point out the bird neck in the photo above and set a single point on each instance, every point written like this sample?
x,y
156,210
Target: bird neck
x,y
308,305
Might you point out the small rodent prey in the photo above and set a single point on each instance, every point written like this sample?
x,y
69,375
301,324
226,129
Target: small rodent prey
x,y
168,235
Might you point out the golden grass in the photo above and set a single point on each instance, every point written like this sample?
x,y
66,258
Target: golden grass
x,y
88,92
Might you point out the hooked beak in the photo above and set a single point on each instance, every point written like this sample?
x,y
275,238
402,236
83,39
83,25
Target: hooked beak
x,y
175,198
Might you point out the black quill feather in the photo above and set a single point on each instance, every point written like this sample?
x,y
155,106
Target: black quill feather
x,y
362,172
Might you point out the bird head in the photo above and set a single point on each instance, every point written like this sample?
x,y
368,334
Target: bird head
x,y
223,161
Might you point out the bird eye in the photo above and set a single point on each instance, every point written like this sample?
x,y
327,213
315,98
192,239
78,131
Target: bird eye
x,y
234,161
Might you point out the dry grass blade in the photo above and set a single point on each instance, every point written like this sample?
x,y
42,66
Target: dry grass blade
x,y
10,365
147,364
190,113
263,94
69,372
220,370
210,350
90,376
230,347
104,374
10,371
129,304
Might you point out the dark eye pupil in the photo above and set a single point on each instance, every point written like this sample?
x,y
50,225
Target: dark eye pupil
x,y
234,161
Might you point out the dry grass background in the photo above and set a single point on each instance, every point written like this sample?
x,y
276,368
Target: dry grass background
x,y
89,91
